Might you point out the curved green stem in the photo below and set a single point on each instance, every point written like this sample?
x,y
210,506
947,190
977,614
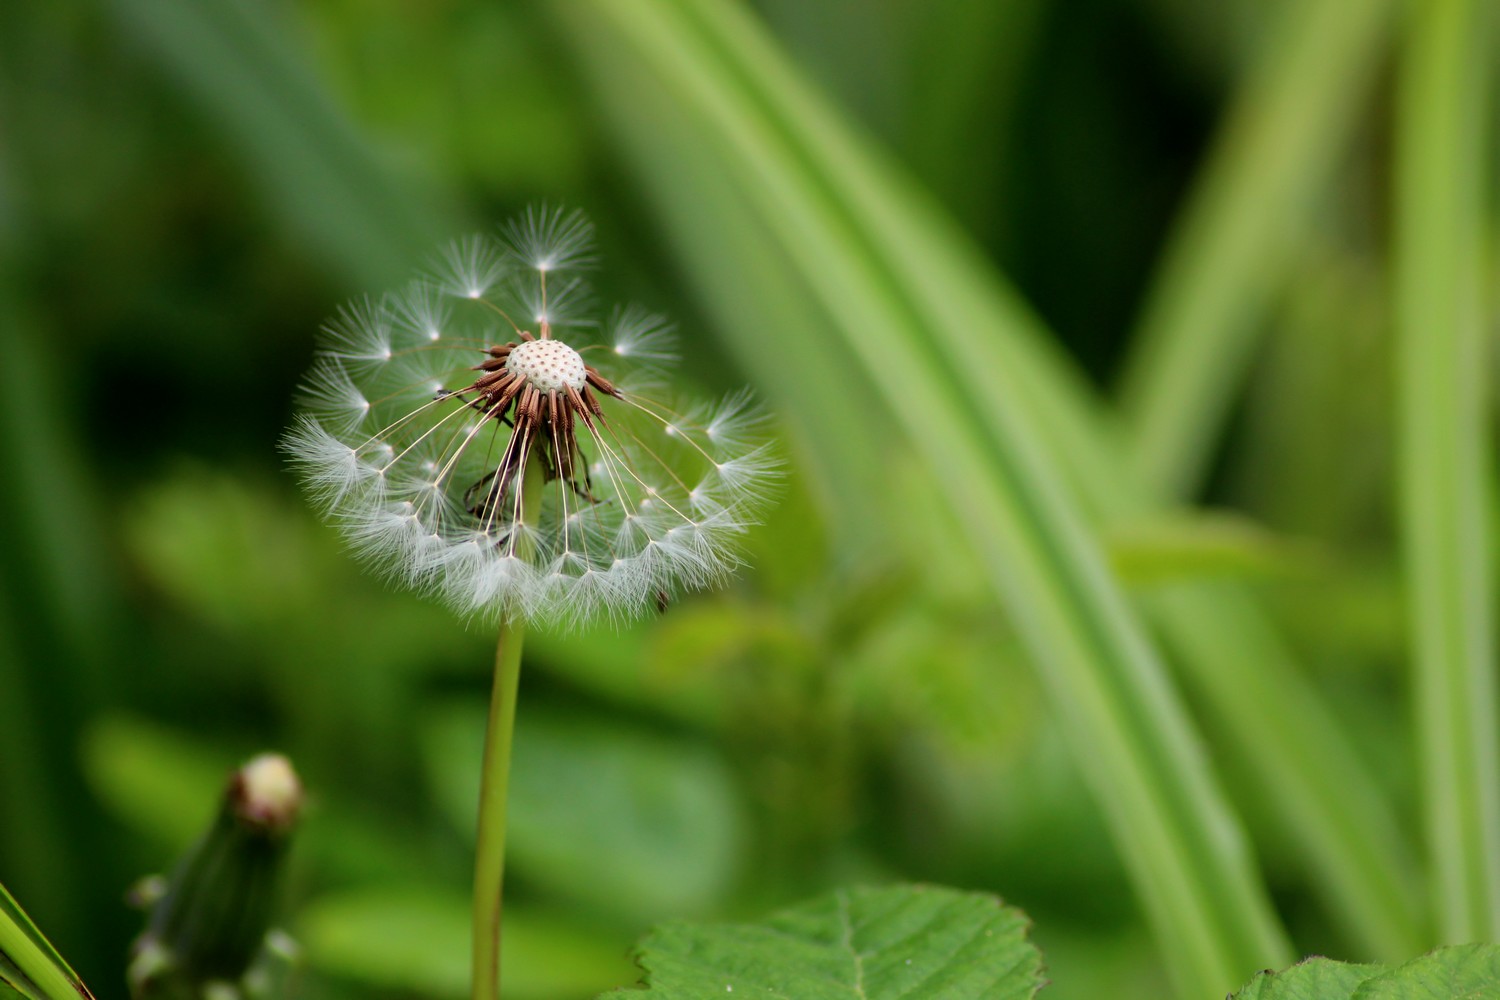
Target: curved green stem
x,y
489,864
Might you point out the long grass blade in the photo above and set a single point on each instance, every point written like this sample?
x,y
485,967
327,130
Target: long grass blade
x,y
56,613
1130,732
1237,236
1444,467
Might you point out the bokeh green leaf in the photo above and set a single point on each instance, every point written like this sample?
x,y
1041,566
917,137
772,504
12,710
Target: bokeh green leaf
x,y
416,939
629,823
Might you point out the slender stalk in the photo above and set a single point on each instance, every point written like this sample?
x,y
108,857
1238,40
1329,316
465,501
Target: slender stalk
x,y
494,781
489,864
1442,365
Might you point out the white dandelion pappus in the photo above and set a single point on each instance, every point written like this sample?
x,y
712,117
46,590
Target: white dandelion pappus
x,y
427,408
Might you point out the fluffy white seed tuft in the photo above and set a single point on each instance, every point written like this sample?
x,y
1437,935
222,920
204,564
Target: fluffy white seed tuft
x,y
549,239
471,267
641,336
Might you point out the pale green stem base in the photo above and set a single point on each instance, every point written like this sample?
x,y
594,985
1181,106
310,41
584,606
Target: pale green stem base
x,y
489,863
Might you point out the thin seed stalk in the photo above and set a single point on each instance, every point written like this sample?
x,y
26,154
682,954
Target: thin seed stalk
x,y
494,783
489,863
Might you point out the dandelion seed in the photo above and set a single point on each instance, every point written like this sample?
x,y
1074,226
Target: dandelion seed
x,y
431,409
549,239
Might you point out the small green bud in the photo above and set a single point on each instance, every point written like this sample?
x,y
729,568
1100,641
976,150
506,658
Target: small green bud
x,y
208,928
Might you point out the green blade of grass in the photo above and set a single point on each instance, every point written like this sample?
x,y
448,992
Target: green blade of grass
x,y
1236,237
1442,367
1181,841
57,615
28,963
1335,809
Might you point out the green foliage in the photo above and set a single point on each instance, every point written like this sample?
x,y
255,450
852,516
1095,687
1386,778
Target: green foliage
x,y
1460,971
1313,979
1236,239
878,944
901,941
898,292
159,783
1192,548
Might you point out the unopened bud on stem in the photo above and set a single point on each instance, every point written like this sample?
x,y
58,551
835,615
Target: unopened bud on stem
x,y
209,927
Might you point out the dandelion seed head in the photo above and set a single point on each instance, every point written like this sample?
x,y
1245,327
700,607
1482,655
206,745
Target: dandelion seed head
x,y
535,472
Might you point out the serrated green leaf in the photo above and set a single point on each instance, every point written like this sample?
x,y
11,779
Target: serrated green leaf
x,y
1314,979
866,943
1465,972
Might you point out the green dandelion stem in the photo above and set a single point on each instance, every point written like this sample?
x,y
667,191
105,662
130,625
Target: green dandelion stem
x,y
494,783
489,864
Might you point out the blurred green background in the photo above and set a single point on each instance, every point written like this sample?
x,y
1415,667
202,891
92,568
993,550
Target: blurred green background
x,y
187,190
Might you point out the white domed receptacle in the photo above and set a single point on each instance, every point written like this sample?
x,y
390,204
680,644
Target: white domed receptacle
x,y
547,365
